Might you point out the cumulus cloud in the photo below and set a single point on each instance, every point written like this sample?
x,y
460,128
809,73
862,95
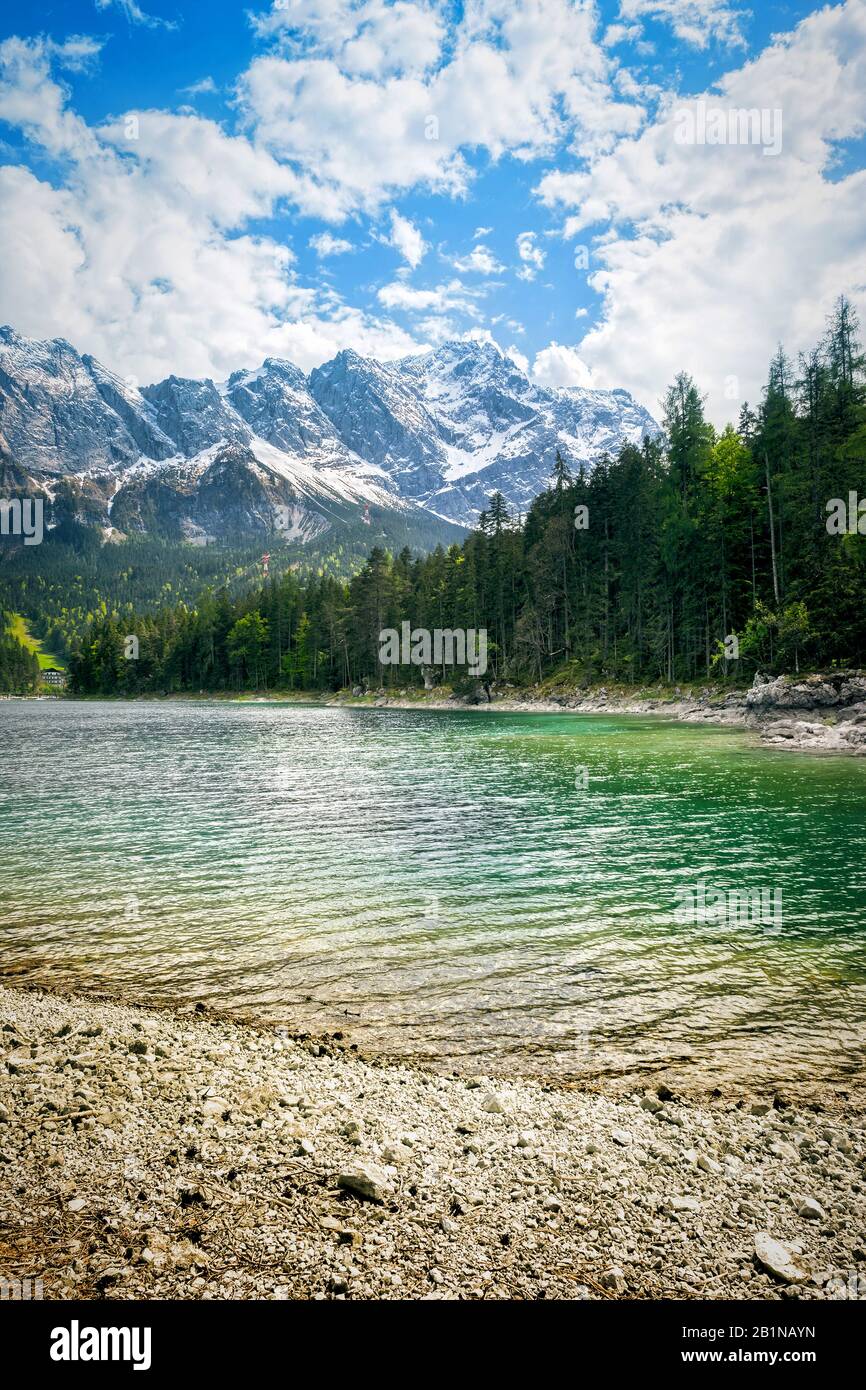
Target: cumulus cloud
x,y
518,77
696,22
326,245
558,365
519,357
366,37
712,254
480,259
448,298
406,238
77,53
31,101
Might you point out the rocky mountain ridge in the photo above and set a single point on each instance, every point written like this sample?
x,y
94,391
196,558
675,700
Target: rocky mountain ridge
x,y
429,437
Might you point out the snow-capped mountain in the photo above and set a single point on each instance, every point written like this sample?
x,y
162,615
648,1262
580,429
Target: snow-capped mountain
x,y
430,436
61,412
183,457
499,432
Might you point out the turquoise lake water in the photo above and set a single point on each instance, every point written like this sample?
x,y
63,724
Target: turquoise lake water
x,y
494,890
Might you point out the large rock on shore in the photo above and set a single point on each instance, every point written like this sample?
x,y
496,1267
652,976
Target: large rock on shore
x,y
816,711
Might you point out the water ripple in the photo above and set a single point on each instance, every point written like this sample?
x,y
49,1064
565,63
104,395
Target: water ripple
x,y
490,888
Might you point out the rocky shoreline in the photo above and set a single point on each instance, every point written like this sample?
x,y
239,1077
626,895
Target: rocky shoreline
x,y
165,1154
813,713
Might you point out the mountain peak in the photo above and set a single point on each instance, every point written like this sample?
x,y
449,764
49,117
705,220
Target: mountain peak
x,y
440,430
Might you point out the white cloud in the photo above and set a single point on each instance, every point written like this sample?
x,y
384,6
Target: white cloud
x,y
442,299
28,99
696,22
481,232
714,254
437,329
519,77
531,254
406,239
480,260
399,295
77,53
135,14
366,37
558,365
620,33
326,245
204,87
517,356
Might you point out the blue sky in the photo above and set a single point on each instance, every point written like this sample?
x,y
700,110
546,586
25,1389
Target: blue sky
x,y
188,187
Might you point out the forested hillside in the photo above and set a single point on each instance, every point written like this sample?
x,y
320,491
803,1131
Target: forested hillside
x,y
19,668
660,564
74,578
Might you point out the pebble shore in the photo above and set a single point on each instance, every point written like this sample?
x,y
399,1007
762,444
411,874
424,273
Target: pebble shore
x,y
158,1154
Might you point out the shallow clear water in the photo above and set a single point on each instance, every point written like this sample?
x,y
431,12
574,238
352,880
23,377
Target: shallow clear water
x,y
497,889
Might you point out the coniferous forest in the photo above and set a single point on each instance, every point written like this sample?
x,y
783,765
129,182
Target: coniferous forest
x,y
700,555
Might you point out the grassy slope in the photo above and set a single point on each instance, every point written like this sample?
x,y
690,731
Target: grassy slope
x,y
19,630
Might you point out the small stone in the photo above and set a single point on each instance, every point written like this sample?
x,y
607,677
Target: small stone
x,y
367,1181
613,1279
709,1165
670,1117
493,1105
759,1107
77,1204
685,1204
651,1103
811,1210
395,1153
622,1137
786,1151
552,1204
777,1259
214,1105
